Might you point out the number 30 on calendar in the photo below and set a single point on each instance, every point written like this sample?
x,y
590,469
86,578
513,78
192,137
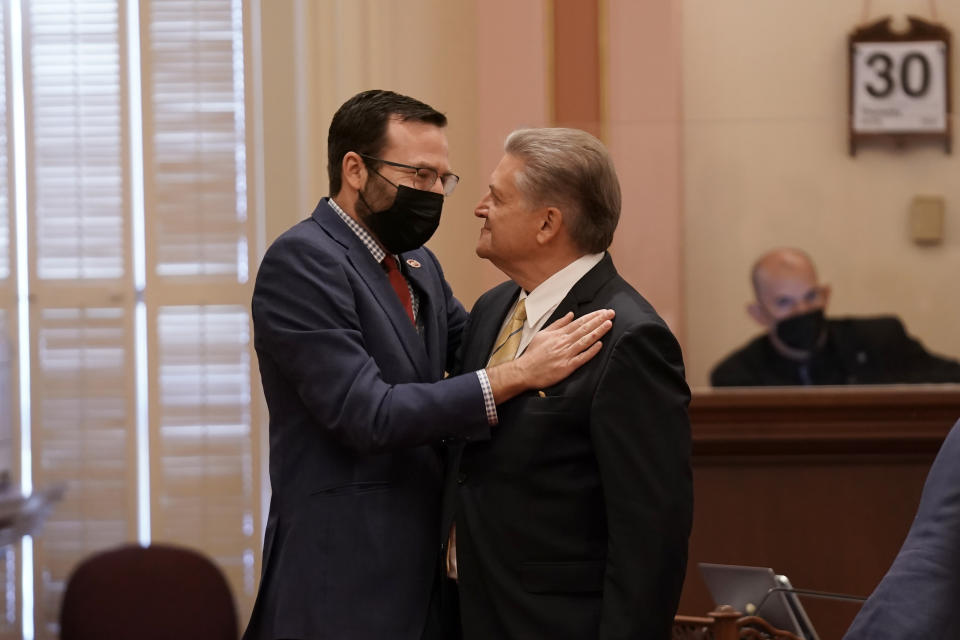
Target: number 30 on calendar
x,y
899,87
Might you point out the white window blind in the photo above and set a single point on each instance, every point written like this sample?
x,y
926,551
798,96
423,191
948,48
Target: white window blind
x,y
6,210
83,160
81,343
75,125
198,163
82,434
9,557
7,400
205,492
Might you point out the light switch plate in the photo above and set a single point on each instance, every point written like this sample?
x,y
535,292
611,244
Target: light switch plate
x,y
926,219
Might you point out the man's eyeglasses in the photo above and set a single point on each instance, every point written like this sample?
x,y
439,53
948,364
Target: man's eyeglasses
x,y
424,177
813,296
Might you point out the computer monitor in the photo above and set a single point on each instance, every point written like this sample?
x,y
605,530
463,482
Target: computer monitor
x,y
753,591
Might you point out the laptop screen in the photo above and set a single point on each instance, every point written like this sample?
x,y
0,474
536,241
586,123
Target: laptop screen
x,y
748,590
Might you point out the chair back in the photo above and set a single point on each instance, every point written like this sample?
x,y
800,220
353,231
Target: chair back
x,y
150,593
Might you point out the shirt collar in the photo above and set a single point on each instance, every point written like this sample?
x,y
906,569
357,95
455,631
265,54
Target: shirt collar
x,y
548,295
364,235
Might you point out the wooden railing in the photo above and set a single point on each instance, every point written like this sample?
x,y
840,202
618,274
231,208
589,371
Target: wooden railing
x,y
725,623
821,484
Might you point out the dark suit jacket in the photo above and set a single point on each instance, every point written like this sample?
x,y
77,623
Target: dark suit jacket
x,y
919,598
351,545
857,351
572,522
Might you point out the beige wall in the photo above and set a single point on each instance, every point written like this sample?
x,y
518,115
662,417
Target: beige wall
x,y
451,55
726,119
765,163
488,66
643,130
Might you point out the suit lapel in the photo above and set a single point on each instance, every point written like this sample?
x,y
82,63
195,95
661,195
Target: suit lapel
x,y
488,314
485,325
418,271
585,289
376,280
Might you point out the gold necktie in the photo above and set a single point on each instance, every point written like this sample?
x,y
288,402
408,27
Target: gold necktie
x,y
509,339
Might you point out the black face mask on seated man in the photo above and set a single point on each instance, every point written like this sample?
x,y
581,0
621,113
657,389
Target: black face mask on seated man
x,y
802,332
409,222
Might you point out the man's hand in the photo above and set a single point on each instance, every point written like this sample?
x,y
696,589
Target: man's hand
x,y
554,353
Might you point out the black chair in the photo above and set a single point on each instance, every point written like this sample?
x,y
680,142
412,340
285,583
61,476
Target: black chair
x,y
149,593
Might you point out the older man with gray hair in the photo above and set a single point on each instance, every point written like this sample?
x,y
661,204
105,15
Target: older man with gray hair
x,y
572,519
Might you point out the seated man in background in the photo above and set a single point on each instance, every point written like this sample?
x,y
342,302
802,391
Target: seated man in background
x,y
803,347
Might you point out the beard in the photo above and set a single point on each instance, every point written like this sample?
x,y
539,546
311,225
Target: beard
x,y
375,197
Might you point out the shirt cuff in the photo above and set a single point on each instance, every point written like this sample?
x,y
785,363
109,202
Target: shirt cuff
x,y
488,403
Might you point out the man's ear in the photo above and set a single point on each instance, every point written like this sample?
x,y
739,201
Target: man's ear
x,y
759,314
826,295
551,223
352,170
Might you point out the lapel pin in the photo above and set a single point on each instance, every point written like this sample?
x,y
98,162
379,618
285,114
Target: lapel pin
x,y
413,263
541,394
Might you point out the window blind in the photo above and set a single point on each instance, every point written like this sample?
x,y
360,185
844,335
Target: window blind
x,y
75,125
81,334
197,165
6,209
204,491
9,556
85,299
82,415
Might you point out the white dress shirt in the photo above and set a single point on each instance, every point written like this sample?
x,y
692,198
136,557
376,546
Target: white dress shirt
x,y
544,300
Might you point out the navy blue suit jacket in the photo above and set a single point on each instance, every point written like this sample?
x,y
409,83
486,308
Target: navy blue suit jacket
x,y
352,545
919,598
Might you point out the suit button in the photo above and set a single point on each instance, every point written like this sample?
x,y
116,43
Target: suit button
x,y
461,478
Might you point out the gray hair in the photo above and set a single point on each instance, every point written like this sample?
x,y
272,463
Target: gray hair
x,y
572,170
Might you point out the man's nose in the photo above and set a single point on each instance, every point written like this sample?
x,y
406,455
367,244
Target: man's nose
x,y
804,306
481,209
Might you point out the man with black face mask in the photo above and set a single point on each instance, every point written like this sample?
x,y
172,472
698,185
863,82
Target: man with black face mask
x,y
803,347
354,328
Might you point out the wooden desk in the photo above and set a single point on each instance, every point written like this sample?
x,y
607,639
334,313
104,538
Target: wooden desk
x,y
821,484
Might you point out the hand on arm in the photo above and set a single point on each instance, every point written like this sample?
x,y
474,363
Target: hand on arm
x,y
554,353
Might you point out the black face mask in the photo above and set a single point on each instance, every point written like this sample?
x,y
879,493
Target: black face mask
x,y
802,332
409,222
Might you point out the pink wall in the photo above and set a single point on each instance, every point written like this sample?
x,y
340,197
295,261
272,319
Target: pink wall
x,y
611,67
643,129
512,83
576,65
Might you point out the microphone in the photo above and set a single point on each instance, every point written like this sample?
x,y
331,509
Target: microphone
x,y
803,624
752,609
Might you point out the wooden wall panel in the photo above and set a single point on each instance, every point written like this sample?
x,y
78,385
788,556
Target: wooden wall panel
x,y
819,484
576,65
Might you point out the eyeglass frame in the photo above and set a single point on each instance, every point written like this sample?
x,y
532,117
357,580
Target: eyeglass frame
x,y
809,300
442,178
